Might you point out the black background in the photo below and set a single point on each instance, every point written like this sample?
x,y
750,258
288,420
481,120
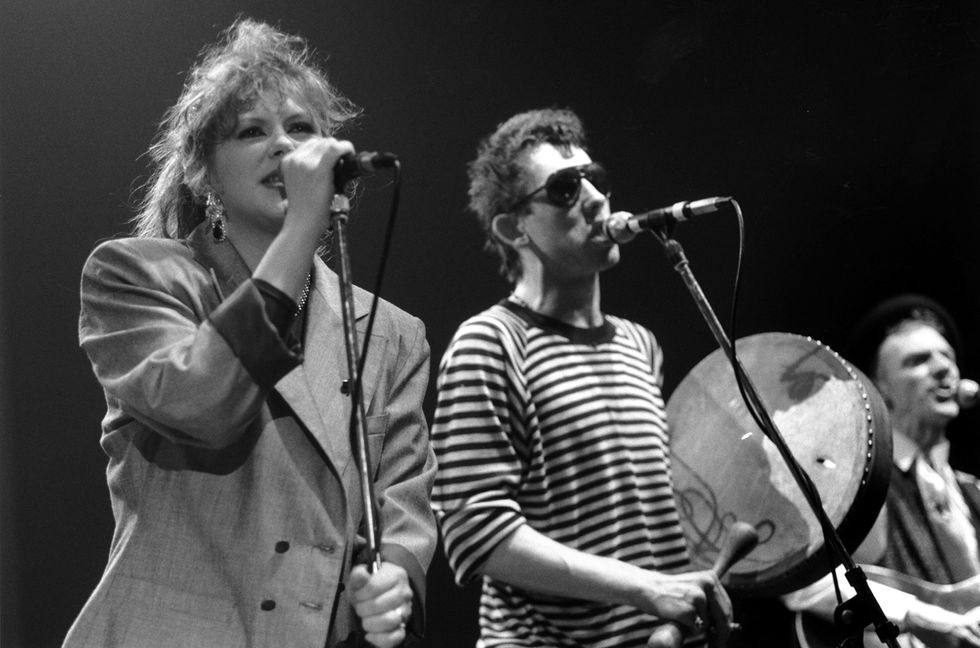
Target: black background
x,y
848,131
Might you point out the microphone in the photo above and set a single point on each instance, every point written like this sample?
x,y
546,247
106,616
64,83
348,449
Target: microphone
x,y
622,227
967,393
355,165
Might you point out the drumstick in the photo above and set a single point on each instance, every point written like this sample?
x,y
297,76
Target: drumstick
x,y
741,539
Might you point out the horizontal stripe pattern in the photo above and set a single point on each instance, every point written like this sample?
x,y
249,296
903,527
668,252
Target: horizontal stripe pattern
x,y
570,438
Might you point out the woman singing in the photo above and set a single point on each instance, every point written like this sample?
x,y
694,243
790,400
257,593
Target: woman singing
x,y
217,337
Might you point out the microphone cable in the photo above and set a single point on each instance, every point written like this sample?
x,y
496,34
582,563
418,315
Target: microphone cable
x,y
753,404
382,264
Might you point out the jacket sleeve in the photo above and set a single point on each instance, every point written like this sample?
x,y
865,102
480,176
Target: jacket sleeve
x,y
407,470
163,344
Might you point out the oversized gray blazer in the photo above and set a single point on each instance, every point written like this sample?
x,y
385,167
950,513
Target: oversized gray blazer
x,y
230,472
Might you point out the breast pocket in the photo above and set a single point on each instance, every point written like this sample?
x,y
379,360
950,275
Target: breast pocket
x,y
377,427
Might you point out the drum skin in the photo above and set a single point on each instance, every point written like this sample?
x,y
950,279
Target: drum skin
x,y
725,469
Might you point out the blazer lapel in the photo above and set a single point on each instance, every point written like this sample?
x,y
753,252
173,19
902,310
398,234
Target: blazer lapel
x,y
313,389
318,390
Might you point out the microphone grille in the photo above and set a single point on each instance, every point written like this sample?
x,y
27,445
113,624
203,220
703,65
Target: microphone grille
x,y
967,393
616,227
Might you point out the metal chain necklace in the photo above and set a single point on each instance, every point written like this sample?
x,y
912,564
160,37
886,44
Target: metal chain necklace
x,y
303,297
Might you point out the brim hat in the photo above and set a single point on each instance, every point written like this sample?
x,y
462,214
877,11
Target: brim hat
x,y
871,330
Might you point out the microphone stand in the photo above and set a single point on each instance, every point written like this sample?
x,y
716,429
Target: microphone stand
x,y
339,214
852,615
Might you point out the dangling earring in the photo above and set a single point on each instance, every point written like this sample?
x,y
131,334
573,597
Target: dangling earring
x,y
215,212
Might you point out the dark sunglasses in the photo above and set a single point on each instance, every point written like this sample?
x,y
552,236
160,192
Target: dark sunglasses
x,y
564,186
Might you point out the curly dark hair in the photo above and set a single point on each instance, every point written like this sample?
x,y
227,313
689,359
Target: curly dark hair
x,y
251,60
497,175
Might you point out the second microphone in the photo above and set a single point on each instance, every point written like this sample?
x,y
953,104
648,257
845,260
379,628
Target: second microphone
x,y
622,227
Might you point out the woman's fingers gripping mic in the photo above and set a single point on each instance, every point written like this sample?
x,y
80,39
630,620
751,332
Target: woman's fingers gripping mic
x,y
308,177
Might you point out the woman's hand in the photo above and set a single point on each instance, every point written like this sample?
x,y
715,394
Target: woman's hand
x,y
308,178
383,601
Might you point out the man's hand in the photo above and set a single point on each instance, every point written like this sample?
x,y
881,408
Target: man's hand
x,y
696,602
383,601
940,628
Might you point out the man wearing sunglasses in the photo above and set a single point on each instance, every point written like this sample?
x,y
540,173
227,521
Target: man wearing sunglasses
x,y
553,480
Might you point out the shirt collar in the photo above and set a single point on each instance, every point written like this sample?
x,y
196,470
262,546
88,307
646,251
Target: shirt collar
x,y
592,336
905,450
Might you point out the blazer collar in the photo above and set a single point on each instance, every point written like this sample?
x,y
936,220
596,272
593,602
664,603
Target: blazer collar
x,y
222,260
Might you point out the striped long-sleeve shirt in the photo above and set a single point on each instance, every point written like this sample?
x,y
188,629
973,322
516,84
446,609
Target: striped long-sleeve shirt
x,y
561,428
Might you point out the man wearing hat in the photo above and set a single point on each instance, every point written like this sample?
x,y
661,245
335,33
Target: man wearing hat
x,y
930,524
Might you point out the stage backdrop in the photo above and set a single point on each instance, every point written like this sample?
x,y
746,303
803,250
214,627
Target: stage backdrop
x,y
849,133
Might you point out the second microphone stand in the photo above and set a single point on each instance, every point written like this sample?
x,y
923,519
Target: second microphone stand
x,y
852,615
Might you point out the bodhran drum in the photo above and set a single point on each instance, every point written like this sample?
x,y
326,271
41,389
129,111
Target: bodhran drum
x,y
726,470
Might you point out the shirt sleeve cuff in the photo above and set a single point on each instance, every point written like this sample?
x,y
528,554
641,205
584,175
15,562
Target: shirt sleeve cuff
x,y
278,306
471,536
243,322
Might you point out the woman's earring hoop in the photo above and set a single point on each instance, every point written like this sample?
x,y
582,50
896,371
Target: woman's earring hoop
x,y
215,212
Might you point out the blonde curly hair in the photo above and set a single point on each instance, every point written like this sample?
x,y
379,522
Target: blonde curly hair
x,y
251,60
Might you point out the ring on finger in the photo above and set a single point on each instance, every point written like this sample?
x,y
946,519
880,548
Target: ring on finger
x,y
403,615
698,623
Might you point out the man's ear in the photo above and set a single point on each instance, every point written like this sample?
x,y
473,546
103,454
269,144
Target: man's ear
x,y
509,229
